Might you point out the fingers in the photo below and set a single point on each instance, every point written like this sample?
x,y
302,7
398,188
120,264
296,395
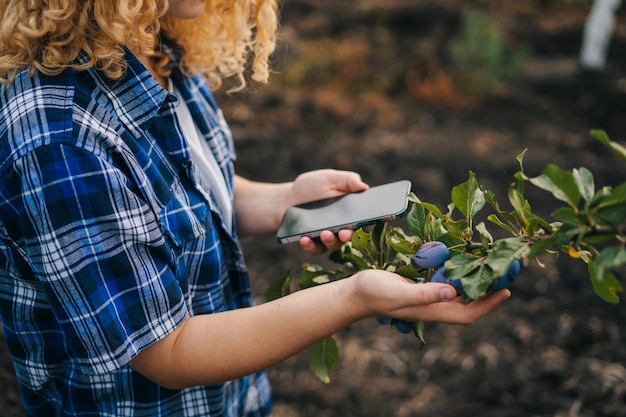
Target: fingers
x,y
327,241
477,309
311,246
438,302
354,183
430,293
461,312
344,236
345,181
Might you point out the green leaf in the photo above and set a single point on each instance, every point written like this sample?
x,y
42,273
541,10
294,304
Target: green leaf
x,y
476,283
324,358
468,197
605,285
454,241
490,198
569,215
407,271
337,255
364,244
313,275
496,220
520,159
612,257
612,209
585,182
610,216
486,237
559,183
540,246
379,236
565,234
519,205
462,265
433,209
416,219
504,252
536,223
279,288
520,176
613,197
618,149
598,238
418,331
354,258
602,194
433,227
403,244
478,202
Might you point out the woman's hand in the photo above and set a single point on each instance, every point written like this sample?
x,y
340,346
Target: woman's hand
x,y
259,207
374,293
321,184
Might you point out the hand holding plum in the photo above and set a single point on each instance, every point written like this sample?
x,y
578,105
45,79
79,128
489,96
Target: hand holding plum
x,y
433,255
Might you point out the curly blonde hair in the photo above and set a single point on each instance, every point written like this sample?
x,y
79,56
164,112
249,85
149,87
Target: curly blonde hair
x,y
49,36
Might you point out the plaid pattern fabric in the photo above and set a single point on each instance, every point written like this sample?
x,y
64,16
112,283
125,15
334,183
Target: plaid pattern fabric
x,y
106,244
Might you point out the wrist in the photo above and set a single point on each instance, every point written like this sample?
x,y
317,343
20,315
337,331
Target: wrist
x,y
354,302
283,200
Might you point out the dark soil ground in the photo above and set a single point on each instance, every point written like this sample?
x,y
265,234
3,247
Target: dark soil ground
x,y
369,87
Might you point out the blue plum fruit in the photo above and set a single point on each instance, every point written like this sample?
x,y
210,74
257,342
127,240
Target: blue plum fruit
x,y
438,277
401,326
506,279
431,255
404,326
502,282
384,320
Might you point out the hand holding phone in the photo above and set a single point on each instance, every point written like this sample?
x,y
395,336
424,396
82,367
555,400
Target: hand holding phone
x,y
349,211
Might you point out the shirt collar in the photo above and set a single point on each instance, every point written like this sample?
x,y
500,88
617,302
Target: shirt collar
x,y
137,92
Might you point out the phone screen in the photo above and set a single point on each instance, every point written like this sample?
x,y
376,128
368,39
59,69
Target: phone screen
x,y
349,211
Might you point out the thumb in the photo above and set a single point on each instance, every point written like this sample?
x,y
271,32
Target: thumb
x,y
351,182
432,292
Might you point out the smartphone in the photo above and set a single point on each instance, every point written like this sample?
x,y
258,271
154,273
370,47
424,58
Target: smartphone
x,y
349,211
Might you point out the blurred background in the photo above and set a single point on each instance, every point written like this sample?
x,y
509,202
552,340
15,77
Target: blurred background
x,y
427,91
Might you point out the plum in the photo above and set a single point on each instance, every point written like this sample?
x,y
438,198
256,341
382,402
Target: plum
x,y
384,320
502,282
506,279
431,255
438,277
403,326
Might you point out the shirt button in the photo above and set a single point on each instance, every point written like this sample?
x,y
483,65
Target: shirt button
x,y
186,163
171,98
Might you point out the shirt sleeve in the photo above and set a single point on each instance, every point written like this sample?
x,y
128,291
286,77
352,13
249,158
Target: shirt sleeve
x,y
98,250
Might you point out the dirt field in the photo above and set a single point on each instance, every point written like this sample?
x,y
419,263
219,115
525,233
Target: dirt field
x,y
372,88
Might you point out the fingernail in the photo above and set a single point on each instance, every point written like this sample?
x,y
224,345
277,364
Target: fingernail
x,y
447,294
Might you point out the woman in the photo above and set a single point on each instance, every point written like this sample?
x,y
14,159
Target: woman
x,y
123,290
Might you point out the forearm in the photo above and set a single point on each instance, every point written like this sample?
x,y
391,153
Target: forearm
x,y
209,349
259,206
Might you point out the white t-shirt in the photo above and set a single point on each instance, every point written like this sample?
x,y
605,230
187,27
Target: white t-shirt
x,y
202,156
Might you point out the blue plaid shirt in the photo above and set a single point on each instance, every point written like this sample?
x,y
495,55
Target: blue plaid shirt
x,y
106,244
